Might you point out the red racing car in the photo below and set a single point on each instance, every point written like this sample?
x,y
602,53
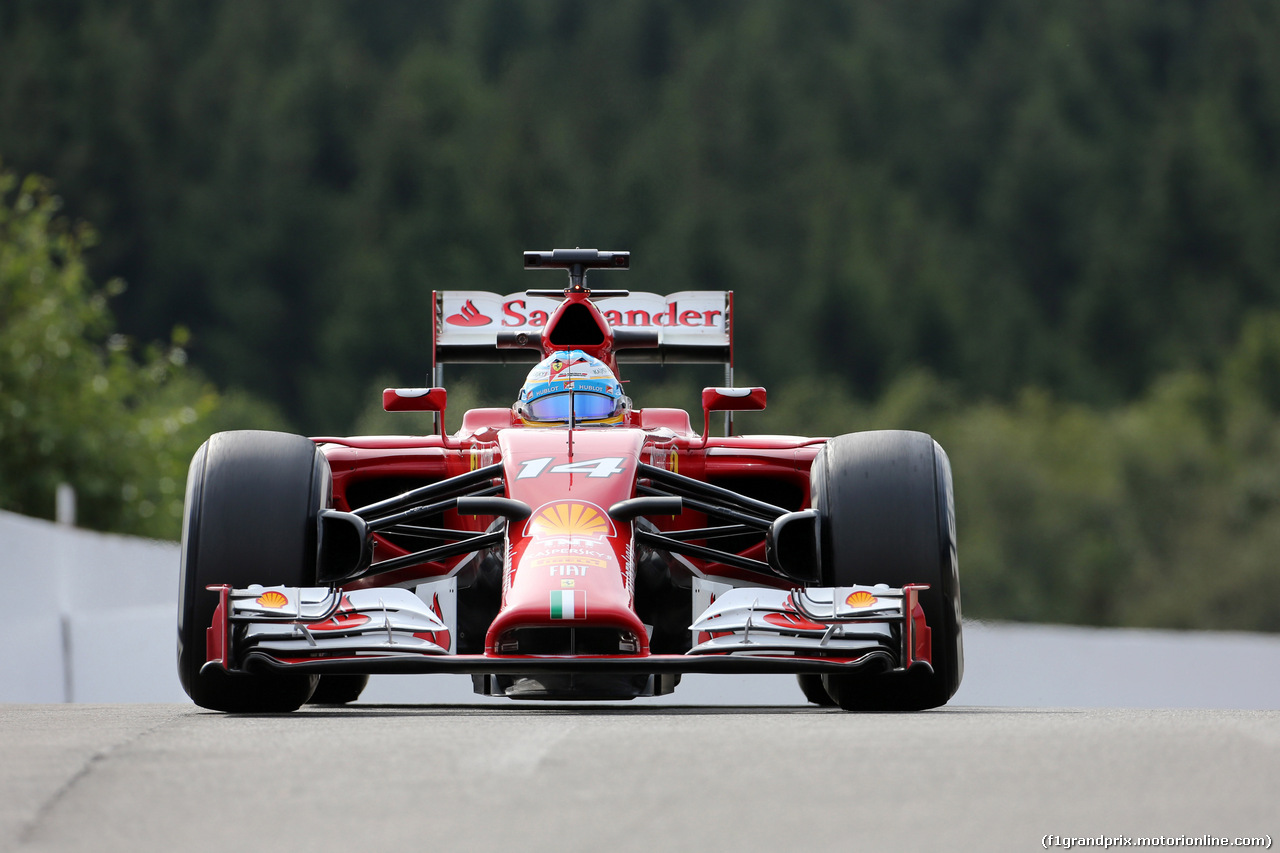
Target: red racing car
x,y
570,546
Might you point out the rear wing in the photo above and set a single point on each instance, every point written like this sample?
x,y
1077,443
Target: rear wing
x,y
692,326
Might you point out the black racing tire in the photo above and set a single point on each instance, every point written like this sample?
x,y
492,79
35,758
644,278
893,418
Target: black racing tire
x,y
813,689
250,517
339,689
888,516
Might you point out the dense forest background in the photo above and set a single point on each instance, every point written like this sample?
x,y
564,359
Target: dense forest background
x,y
1044,232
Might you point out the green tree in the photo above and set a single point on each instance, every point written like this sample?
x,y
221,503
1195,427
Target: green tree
x,y
77,405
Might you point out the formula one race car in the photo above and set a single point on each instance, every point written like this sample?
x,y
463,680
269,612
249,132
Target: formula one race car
x,y
571,546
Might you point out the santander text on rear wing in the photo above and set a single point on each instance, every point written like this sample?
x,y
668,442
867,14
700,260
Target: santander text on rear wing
x,y
692,326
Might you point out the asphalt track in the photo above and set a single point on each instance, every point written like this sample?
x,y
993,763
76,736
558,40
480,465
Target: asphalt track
x,y
532,777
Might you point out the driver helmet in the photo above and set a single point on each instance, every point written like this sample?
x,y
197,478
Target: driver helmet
x,y
571,378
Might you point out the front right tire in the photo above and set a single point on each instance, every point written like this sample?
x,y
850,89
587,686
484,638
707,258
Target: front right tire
x,y
252,501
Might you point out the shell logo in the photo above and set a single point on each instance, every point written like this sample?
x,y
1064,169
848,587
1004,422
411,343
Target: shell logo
x,y
272,599
570,518
861,598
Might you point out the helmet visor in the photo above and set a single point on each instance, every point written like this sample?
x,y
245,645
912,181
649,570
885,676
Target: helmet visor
x,y
587,407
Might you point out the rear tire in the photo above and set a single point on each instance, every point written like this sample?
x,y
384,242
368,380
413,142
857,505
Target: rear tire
x,y
888,516
250,517
338,689
812,688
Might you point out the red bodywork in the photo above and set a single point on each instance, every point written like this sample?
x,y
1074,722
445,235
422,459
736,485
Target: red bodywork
x,y
570,478
570,564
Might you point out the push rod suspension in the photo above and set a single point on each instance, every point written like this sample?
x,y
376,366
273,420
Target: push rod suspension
x,y
388,521
663,543
453,486
711,509
688,486
710,532
453,549
433,532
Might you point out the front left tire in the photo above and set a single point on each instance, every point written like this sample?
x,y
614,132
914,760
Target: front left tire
x,y
887,515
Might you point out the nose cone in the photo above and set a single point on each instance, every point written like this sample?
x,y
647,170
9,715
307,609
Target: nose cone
x,y
570,565
565,578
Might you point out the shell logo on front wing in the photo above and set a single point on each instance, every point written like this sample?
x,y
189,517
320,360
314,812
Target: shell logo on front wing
x,y
274,600
861,598
569,518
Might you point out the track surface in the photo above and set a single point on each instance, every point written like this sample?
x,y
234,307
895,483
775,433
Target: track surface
x,y
480,777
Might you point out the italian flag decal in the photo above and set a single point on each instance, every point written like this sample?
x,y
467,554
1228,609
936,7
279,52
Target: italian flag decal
x,y
568,604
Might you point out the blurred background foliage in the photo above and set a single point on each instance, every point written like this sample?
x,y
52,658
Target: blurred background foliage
x,y
80,403
1045,233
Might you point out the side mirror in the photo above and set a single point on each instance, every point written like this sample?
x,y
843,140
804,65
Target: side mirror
x,y
729,400
414,399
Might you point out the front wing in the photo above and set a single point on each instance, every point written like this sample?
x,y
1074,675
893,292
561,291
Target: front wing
x,y
391,630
